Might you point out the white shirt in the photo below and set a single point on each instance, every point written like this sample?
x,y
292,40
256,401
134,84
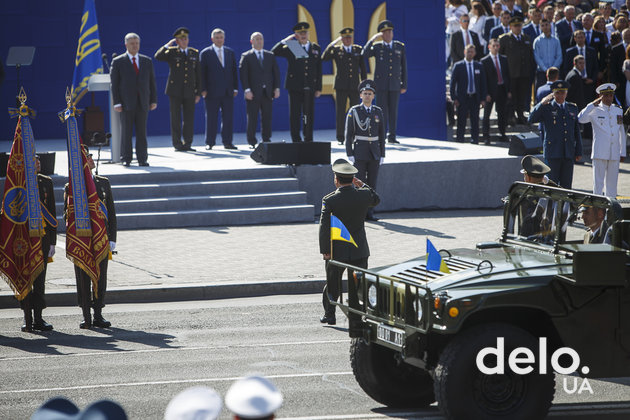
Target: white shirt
x,y
131,57
219,52
609,137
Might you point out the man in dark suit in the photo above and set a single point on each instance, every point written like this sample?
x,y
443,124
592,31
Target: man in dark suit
x,y
134,95
303,81
365,137
468,92
492,21
390,74
349,203
566,26
562,145
350,71
504,27
596,40
463,37
532,29
616,57
87,297
590,55
497,73
183,86
260,79
219,87
576,92
35,300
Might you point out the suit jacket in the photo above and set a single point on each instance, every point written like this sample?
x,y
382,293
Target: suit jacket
x,y
459,80
520,55
257,78
530,31
591,61
218,80
130,90
390,71
492,78
617,57
350,205
47,198
497,31
374,124
599,41
543,91
562,139
457,45
350,66
564,32
104,192
576,93
489,26
302,73
184,71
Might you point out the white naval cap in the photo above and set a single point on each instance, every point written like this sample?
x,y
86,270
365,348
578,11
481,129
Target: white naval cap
x,y
253,397
606,88
196,403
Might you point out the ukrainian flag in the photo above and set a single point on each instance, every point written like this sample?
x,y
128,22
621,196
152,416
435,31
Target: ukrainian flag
x,y
434,259
338,232
88,60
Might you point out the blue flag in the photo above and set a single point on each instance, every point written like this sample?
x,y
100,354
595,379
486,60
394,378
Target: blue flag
x,y
434,259
339,232
88,60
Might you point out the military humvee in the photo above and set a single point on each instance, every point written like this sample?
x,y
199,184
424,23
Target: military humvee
x,y
536,302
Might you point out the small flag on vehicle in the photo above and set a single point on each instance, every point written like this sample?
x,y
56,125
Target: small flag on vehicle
x,y
434,259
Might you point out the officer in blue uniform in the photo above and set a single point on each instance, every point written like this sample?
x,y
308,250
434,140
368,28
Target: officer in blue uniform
x,y
562,143
390,74
365,137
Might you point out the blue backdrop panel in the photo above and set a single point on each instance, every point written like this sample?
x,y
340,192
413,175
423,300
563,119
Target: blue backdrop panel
x,y
53,28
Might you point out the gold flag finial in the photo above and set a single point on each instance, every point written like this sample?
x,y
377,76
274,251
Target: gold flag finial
x,y
22,96
68,97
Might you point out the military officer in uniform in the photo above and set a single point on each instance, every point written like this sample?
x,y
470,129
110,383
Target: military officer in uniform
x,y
562,143
390,74
609,138
182,86
303,81
350,71
365,137
349,203
85,293
34,303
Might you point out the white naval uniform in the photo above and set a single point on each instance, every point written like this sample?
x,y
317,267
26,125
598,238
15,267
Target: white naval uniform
x,y
609,144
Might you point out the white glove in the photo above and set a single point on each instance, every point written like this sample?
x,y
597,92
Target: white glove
x,y
51,251
351,159
381,162
112,245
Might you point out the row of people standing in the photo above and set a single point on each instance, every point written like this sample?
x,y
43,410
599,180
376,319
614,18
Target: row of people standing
x,y
213,74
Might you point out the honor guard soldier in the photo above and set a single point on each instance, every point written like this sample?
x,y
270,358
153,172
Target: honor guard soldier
x,y
390,74
609,138
35,300
350,71
183,86
562,142
365,137
349,203
303,81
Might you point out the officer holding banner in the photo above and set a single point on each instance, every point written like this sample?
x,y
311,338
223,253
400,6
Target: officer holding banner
x,y
342,230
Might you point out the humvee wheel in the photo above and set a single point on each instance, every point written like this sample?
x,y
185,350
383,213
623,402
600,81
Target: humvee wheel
x,y
387,381
464,392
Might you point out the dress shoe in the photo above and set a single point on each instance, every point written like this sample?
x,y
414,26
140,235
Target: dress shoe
x,y
42,325
85,325
252,146
27,328
371,218
143,164
208,147
393,141
327,319
474,142
340,142
189,149
126,163
179,148
101,322
230,147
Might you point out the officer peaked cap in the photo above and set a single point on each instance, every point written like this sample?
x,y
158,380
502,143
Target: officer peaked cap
x,y
367,84
301,26
181,32
559,85
385,25
534,166
344,168
606,88
346,31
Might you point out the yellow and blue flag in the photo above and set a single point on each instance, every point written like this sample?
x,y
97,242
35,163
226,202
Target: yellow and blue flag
x,y
88,60
338,232
434,259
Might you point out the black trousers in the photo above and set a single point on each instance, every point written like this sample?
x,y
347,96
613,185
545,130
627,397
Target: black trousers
x,y
301,107
226,105
468,105
342,96
35,299
333,282
128,119
500,105
387,100
367,171
521,95
85,294
260,104
178,106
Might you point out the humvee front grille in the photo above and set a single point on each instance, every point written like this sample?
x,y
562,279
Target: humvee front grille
x,y
420,272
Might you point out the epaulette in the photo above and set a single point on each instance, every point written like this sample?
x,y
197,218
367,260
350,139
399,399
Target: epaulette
x,y
399,42
45,177
357,45
330,194
172,48
315,44
572,103
101,177
503,35
193,49
377,107
614,104
377,42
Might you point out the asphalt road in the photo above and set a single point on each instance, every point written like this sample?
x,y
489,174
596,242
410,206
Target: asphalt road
x,y
156,350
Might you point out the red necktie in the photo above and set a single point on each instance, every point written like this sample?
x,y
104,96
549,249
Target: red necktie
x,y
135,65
496,64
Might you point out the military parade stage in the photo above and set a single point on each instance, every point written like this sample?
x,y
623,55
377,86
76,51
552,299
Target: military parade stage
x,y
222,187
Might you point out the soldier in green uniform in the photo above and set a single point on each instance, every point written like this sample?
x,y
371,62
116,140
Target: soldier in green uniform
x,y
35,300
349,203
303,81
350,71
390,74
182,86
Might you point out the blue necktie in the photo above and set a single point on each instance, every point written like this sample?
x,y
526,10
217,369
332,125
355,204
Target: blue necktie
x,y
471,81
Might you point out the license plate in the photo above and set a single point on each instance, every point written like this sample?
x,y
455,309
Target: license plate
x,y
390,335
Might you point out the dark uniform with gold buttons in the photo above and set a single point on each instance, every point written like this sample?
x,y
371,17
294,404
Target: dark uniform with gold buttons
x,y
304,78
183,86
350,71
562,142
390,76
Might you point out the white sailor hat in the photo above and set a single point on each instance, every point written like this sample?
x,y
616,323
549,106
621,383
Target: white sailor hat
x,y
253,397
605,88
198,402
